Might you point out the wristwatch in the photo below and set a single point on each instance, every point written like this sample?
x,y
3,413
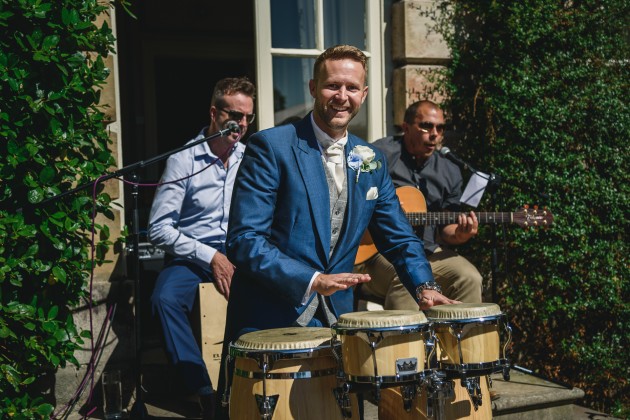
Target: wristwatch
x,y
430,285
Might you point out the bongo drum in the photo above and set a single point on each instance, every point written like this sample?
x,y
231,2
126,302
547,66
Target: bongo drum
x,y
467,338
382,347
287,373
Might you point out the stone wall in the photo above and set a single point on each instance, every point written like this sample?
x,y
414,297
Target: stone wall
x,y
418,53
109,289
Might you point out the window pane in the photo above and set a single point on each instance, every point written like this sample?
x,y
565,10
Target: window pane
x,y
344,23
292,24
358,125
291,97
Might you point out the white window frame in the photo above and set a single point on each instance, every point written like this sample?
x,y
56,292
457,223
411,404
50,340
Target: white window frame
x,y
265,54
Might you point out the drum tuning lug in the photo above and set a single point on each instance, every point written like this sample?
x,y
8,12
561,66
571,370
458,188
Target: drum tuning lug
x,y
408,394
474,391
377,391
343,401
266,405
346,387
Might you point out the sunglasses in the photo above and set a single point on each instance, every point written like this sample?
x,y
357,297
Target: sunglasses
x,y
238,116
428,127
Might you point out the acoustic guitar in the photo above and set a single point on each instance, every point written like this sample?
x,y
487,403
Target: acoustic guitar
x,y
415,208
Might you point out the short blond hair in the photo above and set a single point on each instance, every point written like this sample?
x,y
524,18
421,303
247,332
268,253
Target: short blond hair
x,y
339,52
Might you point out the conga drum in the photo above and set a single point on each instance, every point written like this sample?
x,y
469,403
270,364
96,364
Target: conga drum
x,y
467,338
288,373
382,348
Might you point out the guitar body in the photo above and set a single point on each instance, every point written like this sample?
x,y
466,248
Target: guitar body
x,y
411,200
415,207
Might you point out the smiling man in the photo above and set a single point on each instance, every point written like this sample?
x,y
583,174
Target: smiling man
x,y
299,210
412,161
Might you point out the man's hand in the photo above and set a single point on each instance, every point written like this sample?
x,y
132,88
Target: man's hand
x,y
222,270
430,298
327,284
467,226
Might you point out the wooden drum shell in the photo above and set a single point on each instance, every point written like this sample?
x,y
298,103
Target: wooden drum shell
x,y
359,362
385,339
480,344
457,407
473,327
303,380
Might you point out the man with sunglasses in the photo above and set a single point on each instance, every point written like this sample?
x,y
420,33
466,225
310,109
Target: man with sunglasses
x,y
189,220
413,162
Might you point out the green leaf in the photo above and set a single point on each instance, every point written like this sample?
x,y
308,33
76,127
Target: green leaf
x,y
52,313
60,274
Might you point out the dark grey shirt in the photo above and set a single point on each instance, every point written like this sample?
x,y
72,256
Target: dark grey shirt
x,y
439,180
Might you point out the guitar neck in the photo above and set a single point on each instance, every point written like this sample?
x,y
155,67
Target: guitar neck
x,y
447,218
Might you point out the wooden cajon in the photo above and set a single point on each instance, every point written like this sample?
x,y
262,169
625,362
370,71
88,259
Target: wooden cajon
x,y
210,319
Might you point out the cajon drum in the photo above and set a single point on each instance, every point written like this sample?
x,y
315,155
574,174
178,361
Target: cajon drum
x,y
210,319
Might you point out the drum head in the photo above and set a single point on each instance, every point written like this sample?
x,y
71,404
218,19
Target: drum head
x,y
381,319
279,339
463,311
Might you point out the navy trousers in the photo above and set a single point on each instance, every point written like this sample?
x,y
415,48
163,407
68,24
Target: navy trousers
x,y
173,299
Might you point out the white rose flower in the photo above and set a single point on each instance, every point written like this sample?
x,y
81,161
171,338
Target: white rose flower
x,y
361,159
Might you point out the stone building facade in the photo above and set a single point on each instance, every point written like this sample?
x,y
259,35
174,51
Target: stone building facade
x,y
178,48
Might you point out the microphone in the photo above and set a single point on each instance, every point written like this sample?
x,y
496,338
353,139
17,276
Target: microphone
x,y
232,126
446,152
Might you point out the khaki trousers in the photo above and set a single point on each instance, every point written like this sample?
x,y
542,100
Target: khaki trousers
x,y
459,279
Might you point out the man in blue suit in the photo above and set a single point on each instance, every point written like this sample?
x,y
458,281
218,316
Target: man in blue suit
x,y
303,197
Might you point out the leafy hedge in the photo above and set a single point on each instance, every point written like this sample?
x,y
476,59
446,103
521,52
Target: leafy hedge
x,y
541,90
53,138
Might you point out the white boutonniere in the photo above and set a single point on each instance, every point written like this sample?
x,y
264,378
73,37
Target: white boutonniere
x,y
361,159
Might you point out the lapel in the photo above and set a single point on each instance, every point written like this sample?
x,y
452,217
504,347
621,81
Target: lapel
x,y
309,162
356,195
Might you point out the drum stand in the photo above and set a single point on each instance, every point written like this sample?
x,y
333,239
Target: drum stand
x,y
439,389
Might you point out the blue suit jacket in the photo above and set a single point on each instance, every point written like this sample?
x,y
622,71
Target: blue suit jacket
x,y
279,229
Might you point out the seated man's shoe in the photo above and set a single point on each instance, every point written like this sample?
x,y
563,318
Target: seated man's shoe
x,y
494,395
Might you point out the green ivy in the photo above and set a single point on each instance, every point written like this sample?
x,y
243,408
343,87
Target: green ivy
x,y
540,89
52,138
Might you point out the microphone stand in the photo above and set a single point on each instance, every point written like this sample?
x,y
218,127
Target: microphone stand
x,y
138,410
494,181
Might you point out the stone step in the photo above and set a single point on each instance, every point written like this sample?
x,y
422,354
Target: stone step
x,y
527,396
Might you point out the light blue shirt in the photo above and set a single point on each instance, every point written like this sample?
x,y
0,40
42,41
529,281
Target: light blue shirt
x,y
191,214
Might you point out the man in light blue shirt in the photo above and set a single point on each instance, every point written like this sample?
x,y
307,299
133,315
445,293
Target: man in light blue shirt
x,y
189,219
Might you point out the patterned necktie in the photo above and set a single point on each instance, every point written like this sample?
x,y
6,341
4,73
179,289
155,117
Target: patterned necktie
x,y
334,161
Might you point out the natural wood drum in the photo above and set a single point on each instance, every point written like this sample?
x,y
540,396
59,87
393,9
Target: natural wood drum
x,y
209,321
459,406
384,345
473,328
293,368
